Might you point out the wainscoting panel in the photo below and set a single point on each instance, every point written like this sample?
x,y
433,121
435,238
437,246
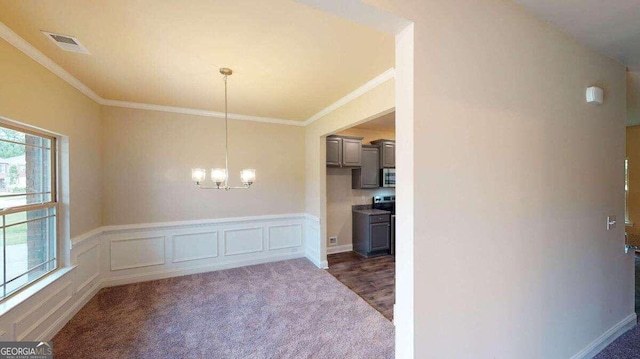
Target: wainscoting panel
x,y
205,245
243,241
117,255
30,320
194,246
137,252
88,261
285,236
312,242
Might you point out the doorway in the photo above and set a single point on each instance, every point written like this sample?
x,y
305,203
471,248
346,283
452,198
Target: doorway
x,y
360,206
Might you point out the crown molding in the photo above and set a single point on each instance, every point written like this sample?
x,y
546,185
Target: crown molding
x,y
370,85
21,44
197,112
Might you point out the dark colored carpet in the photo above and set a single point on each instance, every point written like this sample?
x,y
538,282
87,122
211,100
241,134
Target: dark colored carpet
x,y
628,345
288,309
625,347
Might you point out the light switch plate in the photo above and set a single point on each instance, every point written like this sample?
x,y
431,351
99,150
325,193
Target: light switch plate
x,y
611,222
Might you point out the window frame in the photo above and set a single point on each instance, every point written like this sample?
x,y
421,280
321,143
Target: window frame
x,y
627,220
52,203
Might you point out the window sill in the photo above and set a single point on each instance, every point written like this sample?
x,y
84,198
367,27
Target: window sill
x,y
14,300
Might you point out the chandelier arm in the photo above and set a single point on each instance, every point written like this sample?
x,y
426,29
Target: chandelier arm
x,y
225,188
208,187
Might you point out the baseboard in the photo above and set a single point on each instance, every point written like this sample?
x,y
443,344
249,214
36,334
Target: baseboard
x,y
50,332
177,272
607,338
340,249
314,259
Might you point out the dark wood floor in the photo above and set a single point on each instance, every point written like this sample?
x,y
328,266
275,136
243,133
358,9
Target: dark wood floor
x,y
373,279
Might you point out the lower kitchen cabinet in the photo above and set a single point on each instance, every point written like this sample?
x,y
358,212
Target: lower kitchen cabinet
x,y
371,232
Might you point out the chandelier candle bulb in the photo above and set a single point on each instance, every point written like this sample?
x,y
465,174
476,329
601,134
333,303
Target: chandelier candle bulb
x,y
198,174
248,176
219,175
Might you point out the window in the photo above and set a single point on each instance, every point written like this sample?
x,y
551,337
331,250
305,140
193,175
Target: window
x,y
28,208
626,192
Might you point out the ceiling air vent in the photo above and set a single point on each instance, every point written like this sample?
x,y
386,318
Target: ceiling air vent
x,y
67,43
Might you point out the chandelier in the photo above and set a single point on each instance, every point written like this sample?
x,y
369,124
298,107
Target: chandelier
x,y
220,176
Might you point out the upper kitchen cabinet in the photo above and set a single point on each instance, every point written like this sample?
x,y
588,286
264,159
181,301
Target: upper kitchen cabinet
x,y
344,151
334,151
387,153
368,175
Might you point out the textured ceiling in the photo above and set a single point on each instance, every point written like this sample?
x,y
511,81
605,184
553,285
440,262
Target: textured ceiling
x,y
609,27
289,60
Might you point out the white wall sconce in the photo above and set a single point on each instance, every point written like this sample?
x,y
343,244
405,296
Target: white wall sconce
x,y
595,95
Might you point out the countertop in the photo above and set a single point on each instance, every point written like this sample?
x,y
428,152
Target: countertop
x,y
371,212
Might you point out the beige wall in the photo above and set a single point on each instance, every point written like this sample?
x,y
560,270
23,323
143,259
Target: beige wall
x,y
633,202
514,177
31,94
148,158
340,196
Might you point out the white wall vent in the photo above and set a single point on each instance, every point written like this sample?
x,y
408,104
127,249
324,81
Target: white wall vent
x,y
67,43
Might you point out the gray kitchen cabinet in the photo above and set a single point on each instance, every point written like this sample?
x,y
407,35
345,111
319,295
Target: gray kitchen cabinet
x,y
371,232
344,151
334,151
380,237
368,175
387,153
351,152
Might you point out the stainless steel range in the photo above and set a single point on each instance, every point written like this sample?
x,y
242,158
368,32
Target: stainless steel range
x,y
388,203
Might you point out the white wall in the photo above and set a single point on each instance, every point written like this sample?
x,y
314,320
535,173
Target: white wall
x,y
514,175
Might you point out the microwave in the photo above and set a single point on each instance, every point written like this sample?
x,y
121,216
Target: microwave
x,y
388,177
